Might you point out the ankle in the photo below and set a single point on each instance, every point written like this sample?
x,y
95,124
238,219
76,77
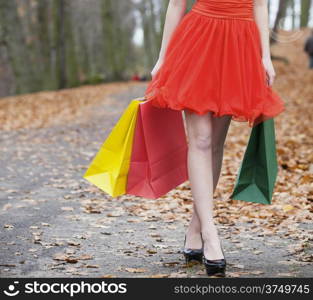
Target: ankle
x,y
193,231
209,234
212,249
193,239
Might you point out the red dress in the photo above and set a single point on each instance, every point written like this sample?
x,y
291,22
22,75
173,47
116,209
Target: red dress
x,y
213,62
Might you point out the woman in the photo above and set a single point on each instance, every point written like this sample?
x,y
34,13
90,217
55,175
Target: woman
x,y
215,65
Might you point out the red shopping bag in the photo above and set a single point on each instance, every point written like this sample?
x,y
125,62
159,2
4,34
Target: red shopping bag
x,y
159,154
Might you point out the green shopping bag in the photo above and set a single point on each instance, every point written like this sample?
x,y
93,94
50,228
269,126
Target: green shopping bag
x,y
257,174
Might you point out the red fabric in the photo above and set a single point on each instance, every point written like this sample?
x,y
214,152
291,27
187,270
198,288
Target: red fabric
x,y
213,63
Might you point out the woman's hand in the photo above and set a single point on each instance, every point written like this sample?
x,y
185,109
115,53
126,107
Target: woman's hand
x,y
157,67
270,72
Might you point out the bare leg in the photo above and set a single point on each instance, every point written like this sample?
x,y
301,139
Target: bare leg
x,y
220,129
207,137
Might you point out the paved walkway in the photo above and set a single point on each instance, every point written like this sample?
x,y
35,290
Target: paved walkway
x,y
55,224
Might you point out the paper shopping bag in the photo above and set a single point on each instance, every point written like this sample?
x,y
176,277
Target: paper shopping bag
x,y
108,170
159,154
257,174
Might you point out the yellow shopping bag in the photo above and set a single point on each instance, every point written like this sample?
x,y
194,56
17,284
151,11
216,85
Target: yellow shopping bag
x,y
109,168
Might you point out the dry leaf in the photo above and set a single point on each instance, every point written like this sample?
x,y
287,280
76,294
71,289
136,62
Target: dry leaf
x,y
134,270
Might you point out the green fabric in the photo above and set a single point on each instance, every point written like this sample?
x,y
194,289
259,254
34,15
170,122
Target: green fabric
x,y
257,174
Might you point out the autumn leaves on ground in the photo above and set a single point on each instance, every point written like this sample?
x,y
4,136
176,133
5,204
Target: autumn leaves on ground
x,y
54,223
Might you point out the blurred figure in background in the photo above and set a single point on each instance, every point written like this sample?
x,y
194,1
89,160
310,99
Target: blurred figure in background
x,y
308,48
144,78
135,77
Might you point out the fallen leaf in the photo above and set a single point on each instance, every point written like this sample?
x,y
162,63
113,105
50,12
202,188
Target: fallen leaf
x,y
135,270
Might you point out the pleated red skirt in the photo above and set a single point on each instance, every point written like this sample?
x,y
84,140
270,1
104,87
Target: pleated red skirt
x,y
213,62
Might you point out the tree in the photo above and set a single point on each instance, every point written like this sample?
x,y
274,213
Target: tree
x,y
13,40
281,13
59,43
305,12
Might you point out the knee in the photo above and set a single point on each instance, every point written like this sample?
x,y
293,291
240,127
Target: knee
x,y
203,142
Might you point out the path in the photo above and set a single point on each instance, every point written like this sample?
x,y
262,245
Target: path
x,y
55,224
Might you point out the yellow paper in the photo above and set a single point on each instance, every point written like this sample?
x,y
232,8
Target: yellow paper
x,y
109,168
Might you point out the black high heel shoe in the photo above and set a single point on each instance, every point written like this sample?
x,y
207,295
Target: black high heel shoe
x,y
216,267
192,254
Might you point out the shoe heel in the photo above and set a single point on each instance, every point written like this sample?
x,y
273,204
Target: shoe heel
x,y
215,267
216,270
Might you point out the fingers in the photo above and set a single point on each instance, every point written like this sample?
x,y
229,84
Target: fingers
x,y
269,70
270,78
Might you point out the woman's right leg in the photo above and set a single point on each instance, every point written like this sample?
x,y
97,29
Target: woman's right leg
x,y
200,169
219,133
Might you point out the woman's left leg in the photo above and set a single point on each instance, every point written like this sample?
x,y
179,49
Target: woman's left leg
x,y
220,126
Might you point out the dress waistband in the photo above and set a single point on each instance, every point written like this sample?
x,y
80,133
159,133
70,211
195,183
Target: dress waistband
x,y
242,10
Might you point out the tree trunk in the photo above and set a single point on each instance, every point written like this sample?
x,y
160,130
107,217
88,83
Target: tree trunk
x,y
59,43
305,12
44,45
70,51
109,38
281,13
148,45
14,41
154,33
